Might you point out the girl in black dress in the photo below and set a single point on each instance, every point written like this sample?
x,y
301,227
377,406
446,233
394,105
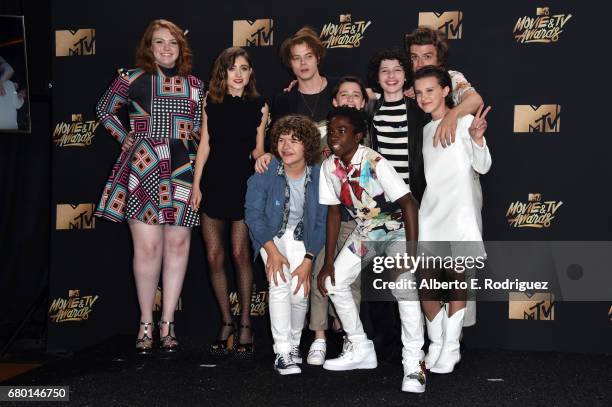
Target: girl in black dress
x,y
233,128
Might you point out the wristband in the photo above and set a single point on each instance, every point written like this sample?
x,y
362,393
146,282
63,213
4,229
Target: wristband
x,y
309,256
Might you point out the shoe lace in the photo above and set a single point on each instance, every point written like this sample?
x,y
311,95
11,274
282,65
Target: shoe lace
x,y
285,359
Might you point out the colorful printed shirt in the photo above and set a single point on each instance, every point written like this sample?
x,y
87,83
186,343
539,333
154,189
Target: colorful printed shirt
x,y
368,189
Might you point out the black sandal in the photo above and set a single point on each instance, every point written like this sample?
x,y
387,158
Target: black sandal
x,y
168,343
144,345
245,351
222,347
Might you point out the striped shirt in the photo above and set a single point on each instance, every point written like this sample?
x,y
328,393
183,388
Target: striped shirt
x,y
391,128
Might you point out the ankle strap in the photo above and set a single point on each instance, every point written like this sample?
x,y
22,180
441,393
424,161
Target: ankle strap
x,y
166,323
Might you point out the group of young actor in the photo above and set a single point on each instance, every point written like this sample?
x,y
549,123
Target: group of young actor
x,y
351,173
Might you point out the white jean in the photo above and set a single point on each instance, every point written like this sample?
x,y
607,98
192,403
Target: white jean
x,y
287,310
347,268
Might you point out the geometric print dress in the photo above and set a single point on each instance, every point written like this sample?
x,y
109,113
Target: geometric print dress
x,y
152,180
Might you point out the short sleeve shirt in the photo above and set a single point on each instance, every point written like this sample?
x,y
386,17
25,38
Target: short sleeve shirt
x,y
367,188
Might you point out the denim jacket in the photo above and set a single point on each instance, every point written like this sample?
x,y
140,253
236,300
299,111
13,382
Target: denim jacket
x,y
265,204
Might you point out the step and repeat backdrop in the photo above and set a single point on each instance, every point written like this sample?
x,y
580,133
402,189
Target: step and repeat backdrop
x,y
543,67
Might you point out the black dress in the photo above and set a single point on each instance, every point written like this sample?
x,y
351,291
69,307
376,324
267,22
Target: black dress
x,y
232,131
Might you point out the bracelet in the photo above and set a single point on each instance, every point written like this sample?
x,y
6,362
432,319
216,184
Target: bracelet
x,y
309,256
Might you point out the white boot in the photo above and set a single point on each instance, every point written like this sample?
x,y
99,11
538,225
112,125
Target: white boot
x,y
358,355
436,338
450,355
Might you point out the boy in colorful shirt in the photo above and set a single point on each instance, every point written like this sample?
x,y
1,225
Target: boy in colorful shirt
x,y
363,182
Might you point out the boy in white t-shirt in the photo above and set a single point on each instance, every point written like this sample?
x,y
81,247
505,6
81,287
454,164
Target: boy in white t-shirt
x,y
367,185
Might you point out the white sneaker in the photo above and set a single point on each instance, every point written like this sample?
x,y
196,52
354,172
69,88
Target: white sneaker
x,y
296,355
284,365
414,379
317,352
360,355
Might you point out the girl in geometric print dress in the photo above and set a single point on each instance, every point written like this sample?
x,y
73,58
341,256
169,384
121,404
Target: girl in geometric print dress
x,y
233,127
151,182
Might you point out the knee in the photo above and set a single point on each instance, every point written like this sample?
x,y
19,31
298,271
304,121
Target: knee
x,y
215,259
240,255
148,250
178,245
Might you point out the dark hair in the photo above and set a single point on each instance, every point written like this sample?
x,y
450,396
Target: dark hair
x,y
442,77
218,79
351,79
389,54
301,128
425,35
144,56
304,35
357,118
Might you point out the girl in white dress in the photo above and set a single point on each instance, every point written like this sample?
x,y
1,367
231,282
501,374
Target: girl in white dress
x,y
450,210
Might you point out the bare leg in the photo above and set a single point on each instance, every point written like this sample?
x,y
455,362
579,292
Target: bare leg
x,y
176,256
147,241
244,268
430,299
212,232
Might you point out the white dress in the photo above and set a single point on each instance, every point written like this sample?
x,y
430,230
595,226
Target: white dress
x,y
451,205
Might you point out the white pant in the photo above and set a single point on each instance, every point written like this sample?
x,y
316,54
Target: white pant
x,y
347,268
287,310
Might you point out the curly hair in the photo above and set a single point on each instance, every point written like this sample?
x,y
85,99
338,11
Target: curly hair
x,y
388,54
144,56
425,35
305,35
443,78
301,128
357,118
218,79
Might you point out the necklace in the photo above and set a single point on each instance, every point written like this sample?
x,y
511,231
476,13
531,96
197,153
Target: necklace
x,y
316,103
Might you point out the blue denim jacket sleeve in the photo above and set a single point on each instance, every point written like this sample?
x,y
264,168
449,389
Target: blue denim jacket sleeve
x,y
317,236
255,208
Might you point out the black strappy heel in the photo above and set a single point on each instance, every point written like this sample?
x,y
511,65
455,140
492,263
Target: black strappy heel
x,y
168,343
144,345
222,347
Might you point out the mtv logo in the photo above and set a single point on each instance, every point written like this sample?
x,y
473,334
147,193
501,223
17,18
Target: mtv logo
x,y
534,197
77,117
345,18
253,33
79,216
535,307
74,293
542,11
537,119
75,42
450,22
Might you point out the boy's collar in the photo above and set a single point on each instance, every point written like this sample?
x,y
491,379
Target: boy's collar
x,y
357,157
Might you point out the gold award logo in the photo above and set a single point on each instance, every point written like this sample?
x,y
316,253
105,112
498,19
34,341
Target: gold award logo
x,y
534,213
79,216
75,42
158,301
74,308
253,33
543,28
534,306
449,22
344,34
259,302
537,119
75,133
